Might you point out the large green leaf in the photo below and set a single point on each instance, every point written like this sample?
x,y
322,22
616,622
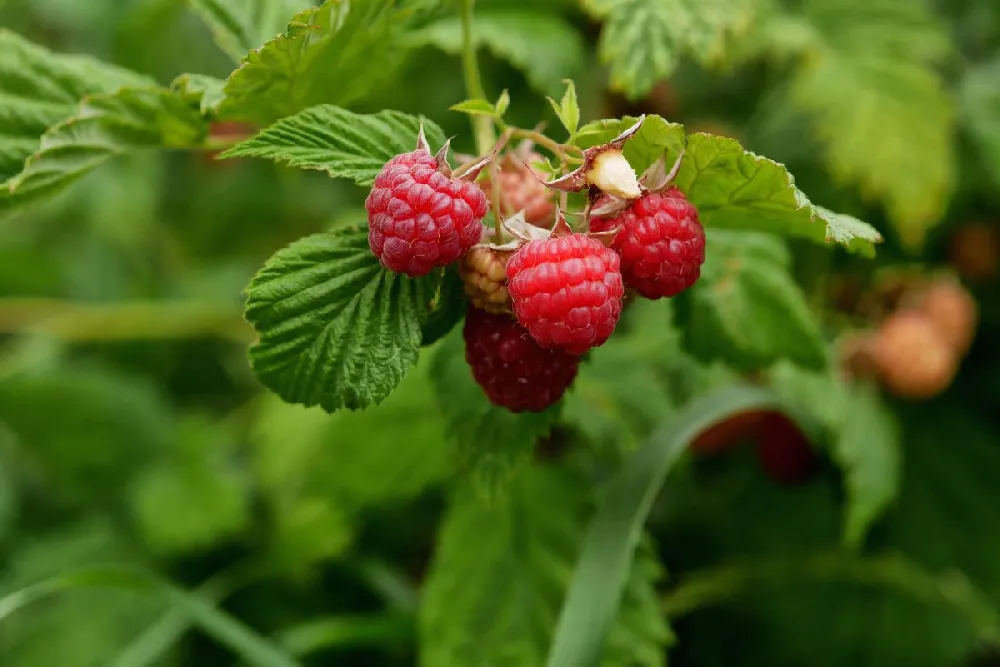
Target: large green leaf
x,y
543,45
643,40
39,88
746,309
105,126
335,53
501,570
870,79
980,100
736,189
241,25
491,440
341,143
336,329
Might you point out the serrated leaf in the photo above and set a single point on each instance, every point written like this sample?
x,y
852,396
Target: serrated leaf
x,y
336,329
656,139
103,127
567,110
643,40
736,189
241,25
341,143
204,91
871,80
490,440
332,54
746,309
39,88
541,44
476,108
980,103
868,450
501,570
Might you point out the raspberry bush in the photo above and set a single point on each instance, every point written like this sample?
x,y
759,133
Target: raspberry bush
x,y
461,334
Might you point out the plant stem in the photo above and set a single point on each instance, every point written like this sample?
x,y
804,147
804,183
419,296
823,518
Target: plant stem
x,y
482,126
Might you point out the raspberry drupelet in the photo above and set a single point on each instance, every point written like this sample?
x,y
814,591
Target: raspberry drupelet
x,y
419,218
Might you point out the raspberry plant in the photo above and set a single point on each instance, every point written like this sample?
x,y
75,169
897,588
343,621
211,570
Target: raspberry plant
x,y
576,305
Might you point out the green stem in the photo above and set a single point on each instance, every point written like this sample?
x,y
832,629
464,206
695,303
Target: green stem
x,y
482,126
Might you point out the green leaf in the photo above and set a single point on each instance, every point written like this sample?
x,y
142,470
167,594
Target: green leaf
x,y
500,572
568,108
335,53
39,88
656,139
476,108
539,43
336,329
746,309
502,103
643,40
868,450
197,496
872,82
980,105
491,440
736,189
227,630
105,126
203,91
241,25
341,143
602,571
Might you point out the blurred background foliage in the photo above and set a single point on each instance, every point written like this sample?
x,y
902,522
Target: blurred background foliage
x,y
132,431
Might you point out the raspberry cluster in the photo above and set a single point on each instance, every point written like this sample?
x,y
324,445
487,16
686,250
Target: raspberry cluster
x,y
541,293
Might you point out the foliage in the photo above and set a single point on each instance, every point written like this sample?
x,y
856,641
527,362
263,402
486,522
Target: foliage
x,y
306,473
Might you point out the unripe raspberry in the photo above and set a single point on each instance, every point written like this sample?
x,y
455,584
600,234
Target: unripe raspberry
x,y
784,452
515,372
912,357
953,311
419,218
661,241
484,273
521,190
567,291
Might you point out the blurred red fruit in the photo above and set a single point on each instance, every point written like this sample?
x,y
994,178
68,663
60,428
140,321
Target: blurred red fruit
x,y
728,433
784,452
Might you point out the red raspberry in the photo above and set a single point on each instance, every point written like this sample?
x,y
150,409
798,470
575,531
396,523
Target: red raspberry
x,y
662,243
784,452
419,218
567,291
521,190
515,372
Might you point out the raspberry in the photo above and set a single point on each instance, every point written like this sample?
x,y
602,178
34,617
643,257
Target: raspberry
x,y
420,218
912,358
729,432
662,243
515,372
521,190
953,311
483,270
975,252
567,291
784,452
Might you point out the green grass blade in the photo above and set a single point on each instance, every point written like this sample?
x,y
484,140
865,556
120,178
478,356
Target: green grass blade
x,y
609,546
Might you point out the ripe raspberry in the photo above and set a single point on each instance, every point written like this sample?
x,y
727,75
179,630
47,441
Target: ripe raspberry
x,y
521,190
784,452
912,358
729,432
483,270
567,291
420,218
662,243
953,311
514,371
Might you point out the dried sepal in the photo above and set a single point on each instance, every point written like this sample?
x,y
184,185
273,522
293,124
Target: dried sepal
x,y
656,178
521,231
471,170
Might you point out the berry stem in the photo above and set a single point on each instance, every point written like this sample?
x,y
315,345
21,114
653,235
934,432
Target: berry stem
x,y
482,126
561,151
